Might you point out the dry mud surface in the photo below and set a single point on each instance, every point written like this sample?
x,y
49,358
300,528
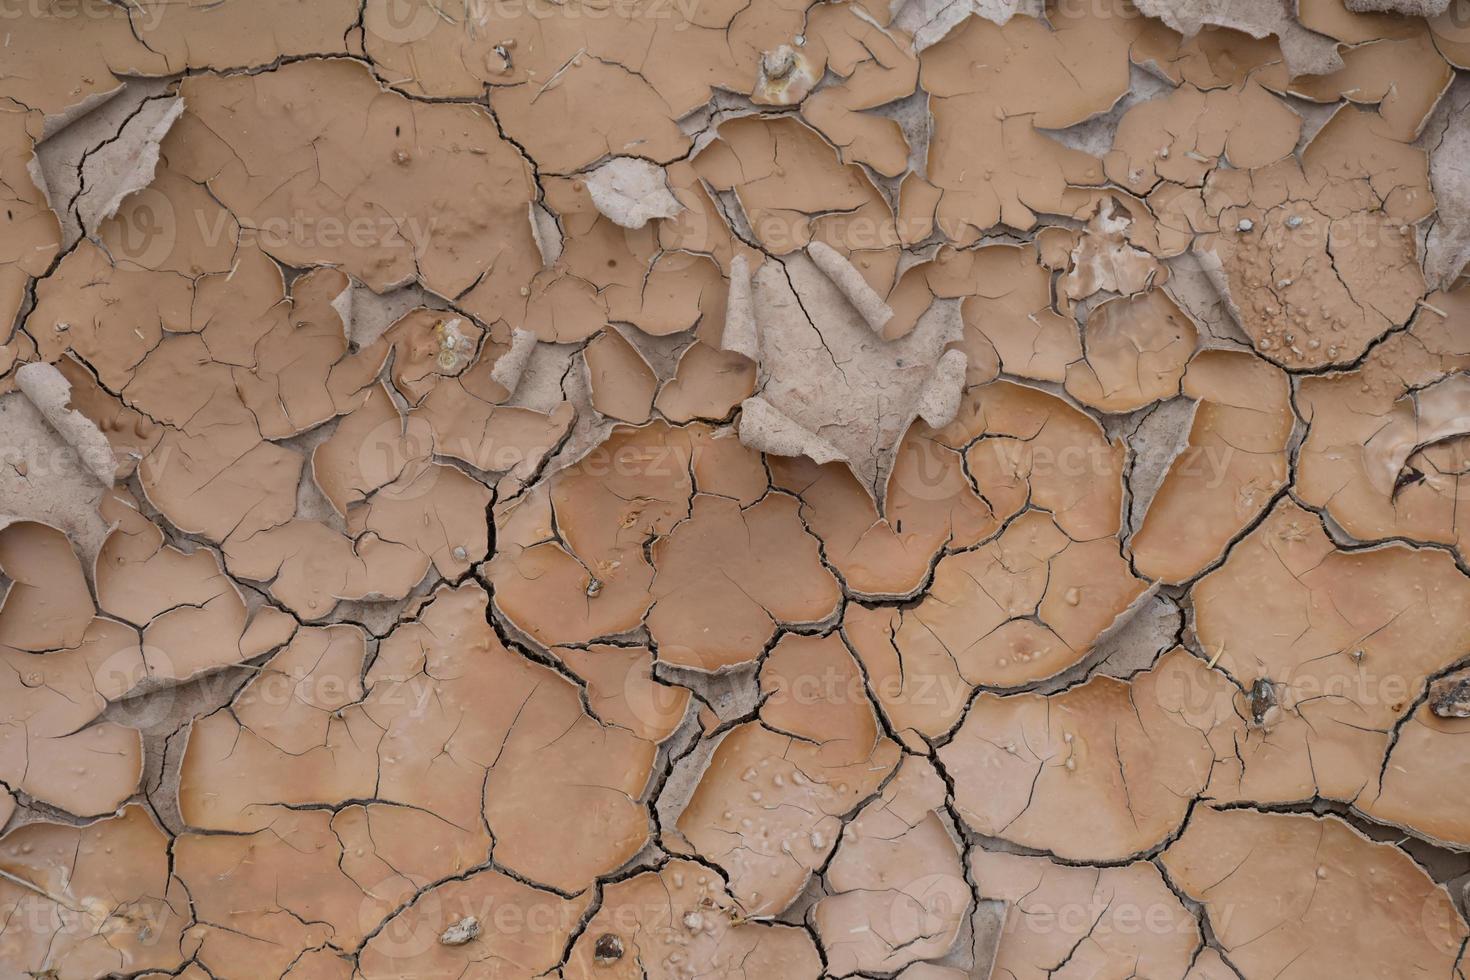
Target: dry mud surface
x,y
752,489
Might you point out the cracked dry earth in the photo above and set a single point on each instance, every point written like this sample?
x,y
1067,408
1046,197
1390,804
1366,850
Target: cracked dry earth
x,y
669,489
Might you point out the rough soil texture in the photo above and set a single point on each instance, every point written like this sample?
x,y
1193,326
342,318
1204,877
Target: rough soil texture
x,y
673,489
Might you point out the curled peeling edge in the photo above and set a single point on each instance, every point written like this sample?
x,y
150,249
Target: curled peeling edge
x,y
49,391
930,21
1306,52
1440,411
740,335
844,276
764,428
1409,8
546,233
342,304
939,402
126,165
512,364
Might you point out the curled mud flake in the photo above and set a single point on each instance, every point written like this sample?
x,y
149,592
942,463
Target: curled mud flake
x,y
764,428
217,477
897,881
293,366
771,805
63,496
929,22
1373,431
1097,922
966,274
681,922
930,700
1438,416
50,392
1314,284
1137,349
1409,8
111,311
1447,247
1337,647
89,901
728,576
1405,78
1325,873
631,192
701,227
1130,756
512,363
126,165
852,284
622,383
63,665
372,446
286,722
741,335
708,384
548,234
940,402
1233,465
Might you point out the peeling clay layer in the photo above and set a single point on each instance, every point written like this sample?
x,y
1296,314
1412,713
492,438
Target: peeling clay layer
x,y
930,490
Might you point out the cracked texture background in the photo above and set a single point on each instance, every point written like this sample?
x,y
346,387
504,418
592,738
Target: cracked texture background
x,y
665,489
